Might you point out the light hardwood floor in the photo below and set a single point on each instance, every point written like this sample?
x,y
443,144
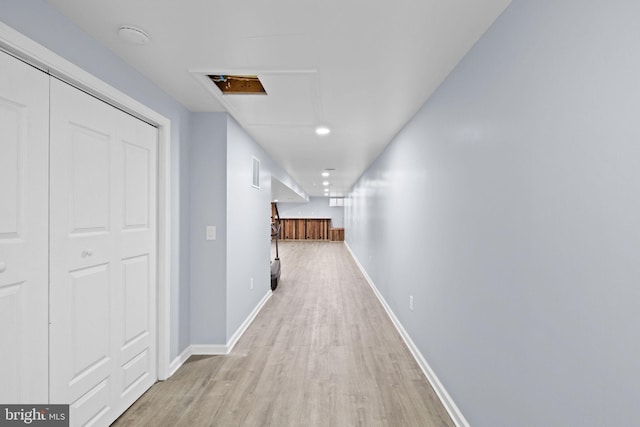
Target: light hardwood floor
x,y
322,352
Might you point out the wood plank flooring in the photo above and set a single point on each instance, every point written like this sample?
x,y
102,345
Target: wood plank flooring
x,y
322,352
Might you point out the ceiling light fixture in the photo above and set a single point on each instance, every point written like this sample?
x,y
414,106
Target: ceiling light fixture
x,y
323,130
325,183
325,174
133,35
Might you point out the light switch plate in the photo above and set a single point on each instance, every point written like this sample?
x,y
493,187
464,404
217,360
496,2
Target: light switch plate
x,y
211,232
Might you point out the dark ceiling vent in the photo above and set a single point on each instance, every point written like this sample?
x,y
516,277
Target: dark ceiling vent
x,y
238,85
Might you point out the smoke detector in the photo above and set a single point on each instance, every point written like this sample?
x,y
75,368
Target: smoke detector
x,y
133,35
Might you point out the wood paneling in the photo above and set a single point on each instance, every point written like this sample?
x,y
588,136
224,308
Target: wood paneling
x,y
305,228
290,229
336,234
317,229
301,228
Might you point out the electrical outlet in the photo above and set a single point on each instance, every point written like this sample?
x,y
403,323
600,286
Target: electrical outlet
x,y
251,285
411,302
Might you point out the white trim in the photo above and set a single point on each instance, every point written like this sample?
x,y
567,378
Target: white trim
x,y
218,349
209,349
38,55
241,330
196,350
255,172
164,250
179,361
453,410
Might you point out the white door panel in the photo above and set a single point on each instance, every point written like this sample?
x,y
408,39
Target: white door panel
x,y
89,171
82,271
24,151
103,256
137,342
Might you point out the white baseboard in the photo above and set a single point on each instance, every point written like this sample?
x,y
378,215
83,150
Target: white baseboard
x,y
217,349
179,361
453,410
196,350
241,330
208,349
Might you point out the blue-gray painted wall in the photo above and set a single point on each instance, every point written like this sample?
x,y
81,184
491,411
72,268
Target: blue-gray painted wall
x,y
208,170
509,208
248,226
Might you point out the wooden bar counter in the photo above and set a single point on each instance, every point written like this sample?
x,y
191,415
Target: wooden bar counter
x,y
310,229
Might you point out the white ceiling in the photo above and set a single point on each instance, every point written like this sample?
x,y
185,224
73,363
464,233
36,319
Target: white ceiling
x,y
363,68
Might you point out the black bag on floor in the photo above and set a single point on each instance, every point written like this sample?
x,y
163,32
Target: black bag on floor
x,y
275,273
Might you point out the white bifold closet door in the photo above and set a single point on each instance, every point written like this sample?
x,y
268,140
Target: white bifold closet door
x,y
102,256
24,234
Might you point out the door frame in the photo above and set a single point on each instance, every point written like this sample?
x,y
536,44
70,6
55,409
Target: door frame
x,y
28,50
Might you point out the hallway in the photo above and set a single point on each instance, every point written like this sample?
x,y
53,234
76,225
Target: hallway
x,y
322,352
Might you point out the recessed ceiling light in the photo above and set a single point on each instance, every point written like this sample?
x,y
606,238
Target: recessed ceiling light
x,y
325,183
325,174
133,35
323,130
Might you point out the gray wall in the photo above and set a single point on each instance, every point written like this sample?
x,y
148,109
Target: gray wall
x,y
509,208
248,226
318,207
42,23
208,169
222,195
